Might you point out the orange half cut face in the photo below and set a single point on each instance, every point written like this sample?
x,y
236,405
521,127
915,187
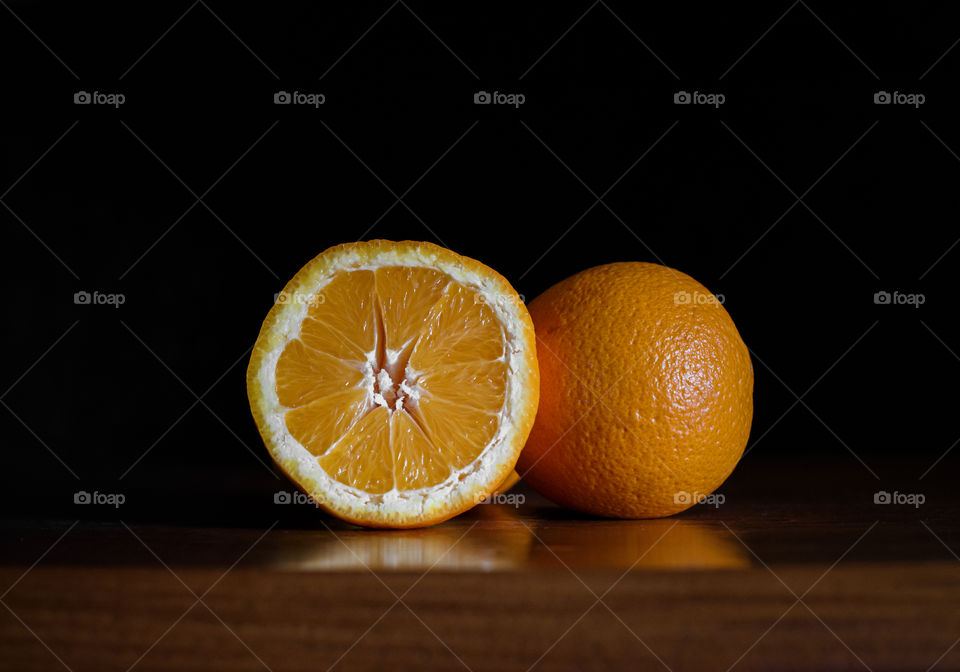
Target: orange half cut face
x,y
395,382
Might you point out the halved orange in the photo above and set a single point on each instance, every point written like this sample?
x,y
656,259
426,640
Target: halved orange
x,y
395,383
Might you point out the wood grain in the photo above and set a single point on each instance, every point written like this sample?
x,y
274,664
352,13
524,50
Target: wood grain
x,y
499,588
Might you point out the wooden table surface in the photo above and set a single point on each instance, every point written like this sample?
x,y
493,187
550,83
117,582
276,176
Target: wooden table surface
x,y
796,569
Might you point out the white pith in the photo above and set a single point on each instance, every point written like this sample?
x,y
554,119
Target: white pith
x,y
388,387
399,390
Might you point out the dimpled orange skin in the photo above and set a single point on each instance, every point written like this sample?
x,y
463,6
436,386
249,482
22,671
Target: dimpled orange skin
x,y
646,392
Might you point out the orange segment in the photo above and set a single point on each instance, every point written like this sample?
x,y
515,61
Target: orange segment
x,y
305,375
466,430
479,384
460,328
406,296
363,458
341,320
419,463
319,424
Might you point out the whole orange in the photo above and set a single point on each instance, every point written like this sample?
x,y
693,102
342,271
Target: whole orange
x,y
646,392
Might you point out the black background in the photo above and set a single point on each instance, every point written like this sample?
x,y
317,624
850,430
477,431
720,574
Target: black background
x,y
103,199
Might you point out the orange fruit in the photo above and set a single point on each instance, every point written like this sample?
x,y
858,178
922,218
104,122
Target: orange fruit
x,y
646,392
395,383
